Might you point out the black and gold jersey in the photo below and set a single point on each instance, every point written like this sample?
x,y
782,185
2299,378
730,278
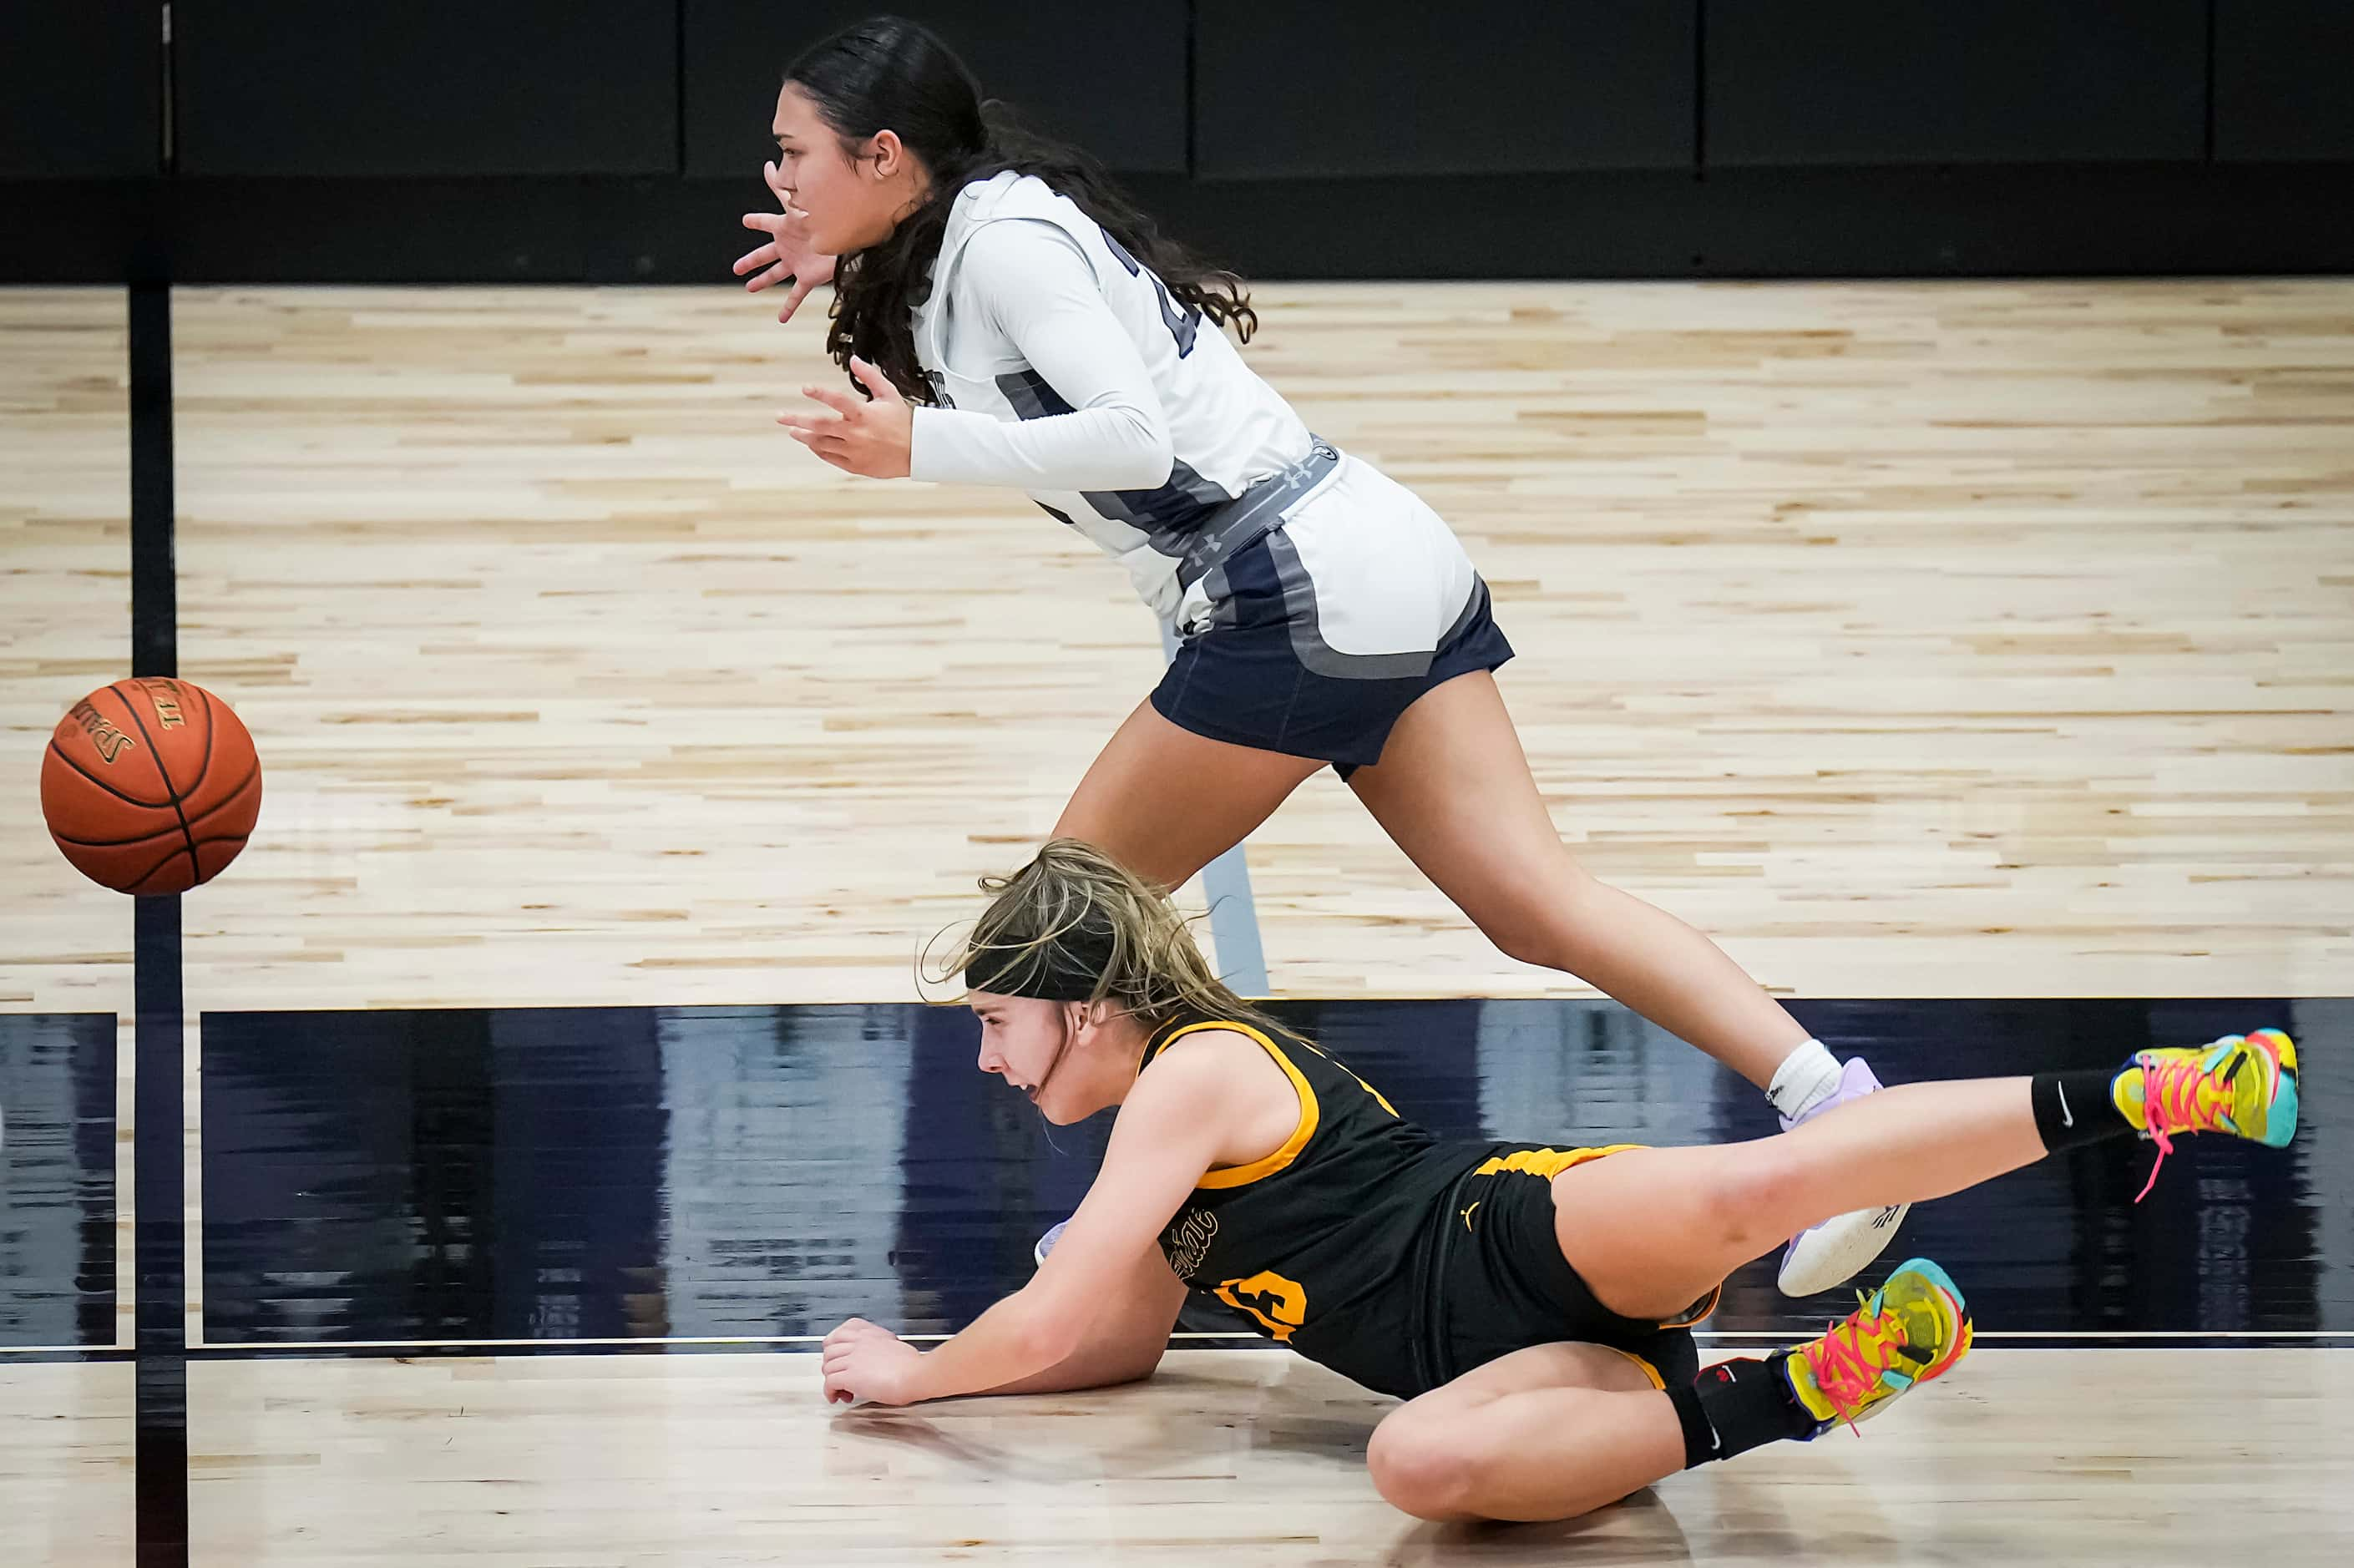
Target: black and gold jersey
x,y
1341,1242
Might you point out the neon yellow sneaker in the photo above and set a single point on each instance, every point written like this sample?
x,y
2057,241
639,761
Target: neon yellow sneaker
x,y
2244,1085
1909,1330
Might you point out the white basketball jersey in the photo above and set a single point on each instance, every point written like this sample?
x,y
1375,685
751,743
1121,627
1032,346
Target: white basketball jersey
x,y
1227,428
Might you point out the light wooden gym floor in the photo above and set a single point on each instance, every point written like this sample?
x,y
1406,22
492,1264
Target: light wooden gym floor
x,y
2121,1456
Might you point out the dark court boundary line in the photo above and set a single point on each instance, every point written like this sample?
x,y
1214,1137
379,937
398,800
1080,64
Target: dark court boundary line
x,y
802,1344
159,1186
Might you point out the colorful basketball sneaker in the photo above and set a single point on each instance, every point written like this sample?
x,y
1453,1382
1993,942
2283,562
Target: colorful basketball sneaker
x,y
1836,1251
2244,1085
1911,1330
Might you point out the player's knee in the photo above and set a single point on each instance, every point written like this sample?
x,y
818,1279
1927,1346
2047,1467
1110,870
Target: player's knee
x,y
1556,931
1418,1471
1548,938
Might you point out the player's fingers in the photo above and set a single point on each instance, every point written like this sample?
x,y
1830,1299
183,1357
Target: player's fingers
x,y
759,256
830,448
801,290
874,381
841,403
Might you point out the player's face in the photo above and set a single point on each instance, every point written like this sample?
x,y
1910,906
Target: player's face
x,y
1020,1038
850,202
1044,1049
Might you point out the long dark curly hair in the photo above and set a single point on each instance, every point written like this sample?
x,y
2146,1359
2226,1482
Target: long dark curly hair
x,y
890,74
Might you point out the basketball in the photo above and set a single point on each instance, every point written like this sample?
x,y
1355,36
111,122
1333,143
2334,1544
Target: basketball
x,y
151,786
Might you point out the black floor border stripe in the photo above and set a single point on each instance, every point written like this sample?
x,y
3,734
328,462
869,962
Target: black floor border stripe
x,y
1729,1344
159,1185
1740,1343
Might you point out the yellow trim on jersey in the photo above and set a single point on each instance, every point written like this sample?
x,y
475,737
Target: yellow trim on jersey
x,y
1243,1175
1548,1161
1380,1099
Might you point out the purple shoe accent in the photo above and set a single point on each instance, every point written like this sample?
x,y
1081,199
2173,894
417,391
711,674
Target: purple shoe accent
x,y
1856,1080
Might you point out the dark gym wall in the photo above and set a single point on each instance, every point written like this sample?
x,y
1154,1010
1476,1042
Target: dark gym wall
x,y
620,140
2283,79
426,87
81,90
1109,74
1489,87
1940,81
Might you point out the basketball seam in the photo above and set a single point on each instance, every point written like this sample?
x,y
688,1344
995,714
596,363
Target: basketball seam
x,y
166,774
149,874
227,802
66,757
113,843
212,728
230,799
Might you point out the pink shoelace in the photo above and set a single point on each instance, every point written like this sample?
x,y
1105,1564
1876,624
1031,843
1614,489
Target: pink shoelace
x,y
1840,1366
2170,1104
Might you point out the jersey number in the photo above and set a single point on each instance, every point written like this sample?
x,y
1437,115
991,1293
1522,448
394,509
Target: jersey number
x,y
1280,1305
1183,325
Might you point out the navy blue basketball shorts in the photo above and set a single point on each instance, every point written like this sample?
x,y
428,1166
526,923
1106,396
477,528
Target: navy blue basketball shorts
x,y
1312,639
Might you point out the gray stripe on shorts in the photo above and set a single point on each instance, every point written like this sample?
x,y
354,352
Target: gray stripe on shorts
x,y
1307,643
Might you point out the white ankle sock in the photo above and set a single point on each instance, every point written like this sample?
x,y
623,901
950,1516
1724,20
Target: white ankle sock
x,y
1806,1077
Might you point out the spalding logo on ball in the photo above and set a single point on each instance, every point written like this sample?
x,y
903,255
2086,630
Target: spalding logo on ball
x,y
151,786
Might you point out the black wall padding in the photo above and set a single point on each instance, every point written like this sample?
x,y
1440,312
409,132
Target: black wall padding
x,y
2284,80
80,89
1404,87
1111,76
1912,81
428,87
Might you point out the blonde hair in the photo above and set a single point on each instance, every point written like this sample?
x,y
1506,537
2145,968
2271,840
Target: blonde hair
x,y
1075,912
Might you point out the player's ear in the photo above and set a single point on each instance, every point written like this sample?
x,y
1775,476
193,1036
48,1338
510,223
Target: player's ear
x,y
886,153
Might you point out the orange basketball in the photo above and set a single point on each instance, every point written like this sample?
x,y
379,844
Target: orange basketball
x,y
151,786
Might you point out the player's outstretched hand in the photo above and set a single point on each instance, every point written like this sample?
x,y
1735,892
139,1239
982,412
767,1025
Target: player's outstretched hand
x,y
786,257
864,1362
870,436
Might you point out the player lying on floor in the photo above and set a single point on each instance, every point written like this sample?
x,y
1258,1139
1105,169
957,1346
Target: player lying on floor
x,y
1531,1305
